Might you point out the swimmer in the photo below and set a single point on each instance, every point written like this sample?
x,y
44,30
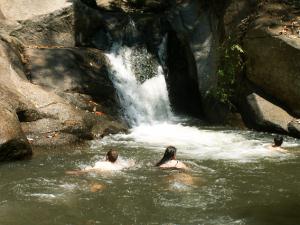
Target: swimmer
x,y
169,160
110,164
278,140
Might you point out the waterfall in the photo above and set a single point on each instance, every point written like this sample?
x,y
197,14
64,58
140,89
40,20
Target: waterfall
x,y
143,97
141,87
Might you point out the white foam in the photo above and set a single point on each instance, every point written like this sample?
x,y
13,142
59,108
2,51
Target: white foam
x,y
142,103
197,143
119,165
147,109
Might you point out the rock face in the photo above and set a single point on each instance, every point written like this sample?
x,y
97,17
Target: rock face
x,y
65,24
273,66
69,70
34,104
51,92
273,55
54,86
25,9
197,27
196,32
266,116
13,142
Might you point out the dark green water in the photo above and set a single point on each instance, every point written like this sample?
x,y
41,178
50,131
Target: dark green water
x,y
262,192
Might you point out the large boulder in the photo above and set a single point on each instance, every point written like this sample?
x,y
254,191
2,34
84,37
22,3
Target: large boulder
x,y
193,45
45,117
265,115
273,53
197,28
25,9
13,142
72,70
63,24
1,15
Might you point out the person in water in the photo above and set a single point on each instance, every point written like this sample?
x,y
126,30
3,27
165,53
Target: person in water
x,y
276,146
169,161
110,164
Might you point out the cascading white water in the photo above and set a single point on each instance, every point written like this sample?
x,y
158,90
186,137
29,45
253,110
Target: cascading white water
x,y
147,109
146,102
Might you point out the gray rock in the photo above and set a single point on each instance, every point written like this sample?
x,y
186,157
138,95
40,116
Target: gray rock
x,y
107,126
294,128
273,61
13,142
78,70
68,26
1,15
198,29
25,9
266,116
192,57
46,118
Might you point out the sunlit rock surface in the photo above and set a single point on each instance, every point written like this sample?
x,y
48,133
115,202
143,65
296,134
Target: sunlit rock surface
x,y
267,116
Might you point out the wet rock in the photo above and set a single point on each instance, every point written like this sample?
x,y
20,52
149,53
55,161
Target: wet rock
x,y
102,40
194,46
197,29
266,116
106,126
13,142
294,128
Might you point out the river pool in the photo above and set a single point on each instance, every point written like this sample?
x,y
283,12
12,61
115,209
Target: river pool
x,y
259,188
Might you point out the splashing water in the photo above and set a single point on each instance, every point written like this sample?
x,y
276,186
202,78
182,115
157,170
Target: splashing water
x,y
147,109
142,103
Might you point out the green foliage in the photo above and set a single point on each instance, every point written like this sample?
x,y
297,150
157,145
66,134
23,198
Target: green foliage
x,y
231,65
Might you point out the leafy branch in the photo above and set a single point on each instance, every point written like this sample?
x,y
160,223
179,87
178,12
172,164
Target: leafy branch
x,y
231,64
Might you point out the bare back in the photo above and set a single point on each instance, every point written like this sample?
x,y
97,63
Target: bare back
x,y
173,164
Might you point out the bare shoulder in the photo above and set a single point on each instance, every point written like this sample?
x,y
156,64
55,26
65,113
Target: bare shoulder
x,y
173,164
278,149
181,165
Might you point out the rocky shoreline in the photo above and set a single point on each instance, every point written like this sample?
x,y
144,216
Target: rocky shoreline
x,y
54,81
53,93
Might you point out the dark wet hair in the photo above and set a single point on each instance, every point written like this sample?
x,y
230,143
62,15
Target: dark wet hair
x,y
169,154
278,140
112,155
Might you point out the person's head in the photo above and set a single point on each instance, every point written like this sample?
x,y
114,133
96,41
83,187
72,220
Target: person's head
x,y
170,154
112,155
278,140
